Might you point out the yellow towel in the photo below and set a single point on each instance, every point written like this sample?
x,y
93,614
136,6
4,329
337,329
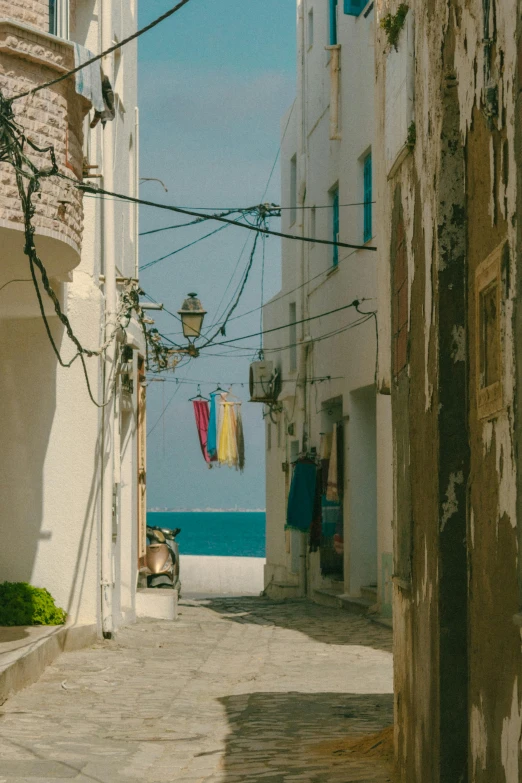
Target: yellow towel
x,y
227,445
325,447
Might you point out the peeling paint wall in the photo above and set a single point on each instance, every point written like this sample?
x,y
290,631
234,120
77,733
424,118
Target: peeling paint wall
x,y
456,403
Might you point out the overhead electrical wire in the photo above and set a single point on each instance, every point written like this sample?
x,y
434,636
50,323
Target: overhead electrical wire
x,y
231,309
179,249
13,143
161,416
195,381
278,151
100,56
174,315
314,240
248,349
191,222
282,295
231,210
355,304
218,308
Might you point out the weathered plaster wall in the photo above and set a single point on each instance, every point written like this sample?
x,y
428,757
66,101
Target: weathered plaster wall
x,y
455,521
51,460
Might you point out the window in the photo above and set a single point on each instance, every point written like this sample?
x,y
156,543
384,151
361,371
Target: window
x,y
334,198
292,318
313,223
293,190
59,18
310,28
368,197
333,22
354,7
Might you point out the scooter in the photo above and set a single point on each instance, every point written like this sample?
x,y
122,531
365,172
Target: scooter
x,y
161,569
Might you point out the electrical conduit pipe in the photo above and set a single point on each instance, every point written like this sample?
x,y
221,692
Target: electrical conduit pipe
x,y
109,366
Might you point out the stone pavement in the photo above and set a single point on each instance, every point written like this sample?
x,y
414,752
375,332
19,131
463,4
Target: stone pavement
x,y
237,690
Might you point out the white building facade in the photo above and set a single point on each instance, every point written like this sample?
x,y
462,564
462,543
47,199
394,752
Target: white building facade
x,y
70,497
327,363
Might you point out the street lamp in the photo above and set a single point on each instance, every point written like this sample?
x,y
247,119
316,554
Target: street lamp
x,y
192,315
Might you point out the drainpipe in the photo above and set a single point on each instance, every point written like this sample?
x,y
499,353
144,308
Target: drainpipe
x,y
108,423
335,67
304,338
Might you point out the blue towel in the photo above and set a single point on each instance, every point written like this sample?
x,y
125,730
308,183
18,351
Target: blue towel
x,y
212,426
88,80
301,497
332,518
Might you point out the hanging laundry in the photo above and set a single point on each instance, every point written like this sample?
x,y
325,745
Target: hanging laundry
x,y
108,113
213,426
240,439
332,491
316,528
331,518
227,443
202,415
88,81
325,450
301,496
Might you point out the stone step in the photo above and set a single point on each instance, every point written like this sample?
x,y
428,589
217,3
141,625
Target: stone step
x,y
369,593
157,603
355,604
327,596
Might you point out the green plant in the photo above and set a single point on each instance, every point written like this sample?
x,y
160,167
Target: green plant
x,y
392,24
412,136
23,604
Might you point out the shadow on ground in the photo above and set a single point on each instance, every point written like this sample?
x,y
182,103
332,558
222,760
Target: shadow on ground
x,y
330,626
279,737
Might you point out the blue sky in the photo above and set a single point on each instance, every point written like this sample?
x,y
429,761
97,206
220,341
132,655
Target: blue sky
x,y
214,81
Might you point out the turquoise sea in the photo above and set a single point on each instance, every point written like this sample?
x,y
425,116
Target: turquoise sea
x,y
222,533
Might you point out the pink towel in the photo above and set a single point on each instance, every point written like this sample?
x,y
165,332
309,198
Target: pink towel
x,y
202,414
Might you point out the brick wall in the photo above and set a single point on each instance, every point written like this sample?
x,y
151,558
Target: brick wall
x,y
33,12
51,117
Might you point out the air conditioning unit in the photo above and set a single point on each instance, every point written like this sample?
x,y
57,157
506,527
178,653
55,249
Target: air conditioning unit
x,y
264,382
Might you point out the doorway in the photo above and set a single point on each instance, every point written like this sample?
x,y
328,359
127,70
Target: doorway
x,y
332,502
362,493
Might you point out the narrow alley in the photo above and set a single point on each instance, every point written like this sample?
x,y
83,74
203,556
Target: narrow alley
x,y
239,689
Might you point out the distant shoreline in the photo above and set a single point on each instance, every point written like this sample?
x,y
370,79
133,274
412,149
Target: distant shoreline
x,y
206,510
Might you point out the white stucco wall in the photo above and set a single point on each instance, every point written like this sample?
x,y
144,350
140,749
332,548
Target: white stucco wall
x,y
50,462
349,358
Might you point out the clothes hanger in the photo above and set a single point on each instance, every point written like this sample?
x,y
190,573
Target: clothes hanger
x,y
232,397
199,396
218,389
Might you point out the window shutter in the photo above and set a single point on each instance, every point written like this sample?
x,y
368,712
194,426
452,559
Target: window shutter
x,y
333,22
354,7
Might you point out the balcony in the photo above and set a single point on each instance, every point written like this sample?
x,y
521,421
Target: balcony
x,y
29,56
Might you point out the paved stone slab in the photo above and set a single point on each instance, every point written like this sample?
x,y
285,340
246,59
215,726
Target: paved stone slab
x,y
237,690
